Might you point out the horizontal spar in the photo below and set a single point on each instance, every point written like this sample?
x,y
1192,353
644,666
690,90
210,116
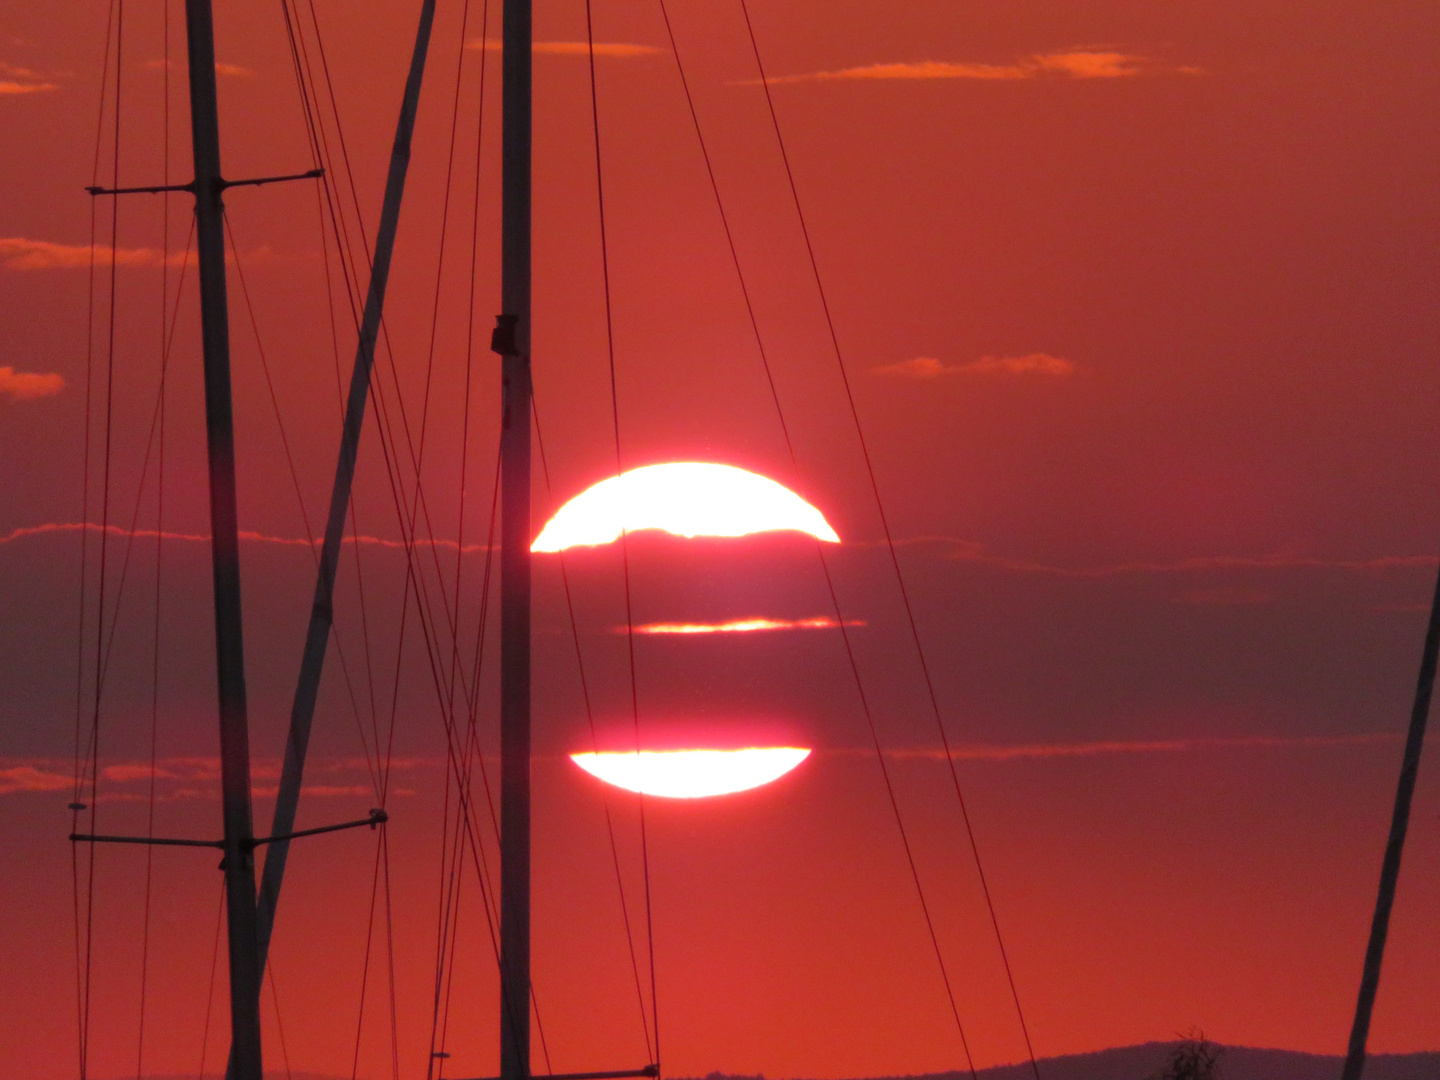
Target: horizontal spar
x,y
377,817
157,189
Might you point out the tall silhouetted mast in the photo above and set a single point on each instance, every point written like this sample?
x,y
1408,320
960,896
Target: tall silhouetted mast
x,y
512,341
1394,846
239,841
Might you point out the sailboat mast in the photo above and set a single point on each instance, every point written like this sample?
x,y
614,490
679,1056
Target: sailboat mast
x,y
225,546
512,341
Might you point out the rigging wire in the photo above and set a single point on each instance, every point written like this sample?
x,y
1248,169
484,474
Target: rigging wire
x,y
469,354
279,1022
210,994
845,637
382,412
624,532
419,452
595,743
387,439
103,665
81,766
390,955
390,445
93,749
445,934
294,474
323,198
365,967
449,893
885,524
82,990
159,534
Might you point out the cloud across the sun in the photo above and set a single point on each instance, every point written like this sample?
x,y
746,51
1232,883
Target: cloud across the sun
x,y
1091,63
754,624
28,385
928,367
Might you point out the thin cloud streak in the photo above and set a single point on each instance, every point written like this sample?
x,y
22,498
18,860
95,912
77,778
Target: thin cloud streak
x,y
740,626
248,535
20,253
972,551
21,80
928,367
191,777
1065,64
617,49
1146,746
10,87
183,778
221,68
28,385
960,551
30,778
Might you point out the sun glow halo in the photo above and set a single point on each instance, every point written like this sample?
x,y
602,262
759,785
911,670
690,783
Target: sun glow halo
x,y
686,498
692,774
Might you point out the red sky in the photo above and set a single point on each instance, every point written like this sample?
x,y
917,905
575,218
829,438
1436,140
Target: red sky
x,y
1138,302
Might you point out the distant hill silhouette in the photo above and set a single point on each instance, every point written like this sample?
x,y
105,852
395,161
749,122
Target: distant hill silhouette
x,y
1118,1063
1148,1059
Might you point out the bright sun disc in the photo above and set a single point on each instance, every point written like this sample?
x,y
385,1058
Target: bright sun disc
x,y
687,498
692,774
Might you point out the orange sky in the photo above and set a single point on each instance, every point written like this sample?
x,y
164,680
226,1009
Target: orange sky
x,y
1138,302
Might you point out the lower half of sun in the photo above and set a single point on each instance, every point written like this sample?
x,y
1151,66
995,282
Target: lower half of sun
x,y
692,774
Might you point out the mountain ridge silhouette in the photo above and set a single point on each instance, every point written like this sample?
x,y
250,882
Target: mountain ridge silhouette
x,y
1142,1061
1146,1060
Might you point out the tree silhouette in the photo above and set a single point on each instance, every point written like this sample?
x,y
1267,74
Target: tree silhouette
x,y
1194,1058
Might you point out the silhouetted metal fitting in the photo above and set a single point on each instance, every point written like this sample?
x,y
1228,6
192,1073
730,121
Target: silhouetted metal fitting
x,y
502,338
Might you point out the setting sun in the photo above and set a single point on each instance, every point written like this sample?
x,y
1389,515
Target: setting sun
x,y
692,774
687,498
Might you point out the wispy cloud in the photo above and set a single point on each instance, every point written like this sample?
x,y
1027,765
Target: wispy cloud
x,y
22,253
19,253
954,548
1066,64
51,528
928,367
221,68
1140,746
28,385
179,778
622,50
969,551
32,778
739,626
959,549
22,80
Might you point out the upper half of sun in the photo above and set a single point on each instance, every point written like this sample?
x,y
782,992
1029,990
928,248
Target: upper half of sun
x,y
686,498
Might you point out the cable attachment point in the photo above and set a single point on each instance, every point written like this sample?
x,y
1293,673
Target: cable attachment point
x,y
378,817
502,338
